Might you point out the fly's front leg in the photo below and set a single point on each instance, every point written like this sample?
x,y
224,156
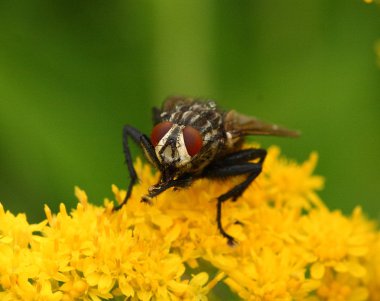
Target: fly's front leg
x,y
183,181
235,164
143,141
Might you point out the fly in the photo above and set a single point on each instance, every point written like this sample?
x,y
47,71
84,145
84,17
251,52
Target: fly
x,y
193,139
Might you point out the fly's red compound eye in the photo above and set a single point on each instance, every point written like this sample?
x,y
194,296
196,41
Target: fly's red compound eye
x,y
193,140
160,131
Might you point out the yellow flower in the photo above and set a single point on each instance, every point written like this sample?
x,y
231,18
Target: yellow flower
x,y
342,287
373,267
286,183
337,241
290,245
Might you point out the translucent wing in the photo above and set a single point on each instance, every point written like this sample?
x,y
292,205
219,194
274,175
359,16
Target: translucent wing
x,y
241,125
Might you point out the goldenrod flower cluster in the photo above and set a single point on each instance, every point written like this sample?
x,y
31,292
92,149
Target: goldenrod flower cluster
x,y
290,245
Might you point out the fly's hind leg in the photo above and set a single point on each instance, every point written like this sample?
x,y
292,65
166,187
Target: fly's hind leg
x,y
235,164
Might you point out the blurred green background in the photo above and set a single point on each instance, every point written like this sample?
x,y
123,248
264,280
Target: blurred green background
x,y
72,73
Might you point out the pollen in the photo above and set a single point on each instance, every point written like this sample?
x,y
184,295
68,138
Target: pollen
x,y
290,246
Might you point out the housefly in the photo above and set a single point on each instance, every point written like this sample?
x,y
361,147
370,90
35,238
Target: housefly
x,y
193,139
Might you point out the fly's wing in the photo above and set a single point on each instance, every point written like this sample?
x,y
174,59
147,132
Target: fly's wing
x,y
241,125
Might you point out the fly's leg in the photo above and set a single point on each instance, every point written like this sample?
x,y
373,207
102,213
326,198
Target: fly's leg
x,y
144,142
244,155
253,170
235,164
231,166
183,181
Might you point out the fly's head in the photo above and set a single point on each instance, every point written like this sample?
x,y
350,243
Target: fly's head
x,y
176,145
